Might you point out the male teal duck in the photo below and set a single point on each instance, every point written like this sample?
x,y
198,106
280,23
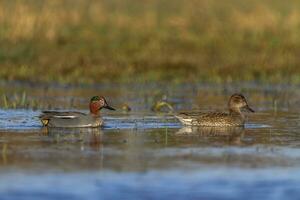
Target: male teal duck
x,y
77,119
234,117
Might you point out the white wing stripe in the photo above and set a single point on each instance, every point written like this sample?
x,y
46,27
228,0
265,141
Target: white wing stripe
x,y
65,116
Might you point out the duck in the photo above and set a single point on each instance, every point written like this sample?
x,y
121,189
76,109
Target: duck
x,y
73,119
234,117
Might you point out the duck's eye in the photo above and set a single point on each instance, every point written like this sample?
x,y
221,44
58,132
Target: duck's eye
x,y
237,100
101,102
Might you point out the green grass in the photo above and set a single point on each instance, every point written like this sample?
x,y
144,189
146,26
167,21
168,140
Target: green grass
x,y
92,41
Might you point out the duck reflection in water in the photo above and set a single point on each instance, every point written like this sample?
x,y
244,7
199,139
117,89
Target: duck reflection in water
x,y
88,137
212,135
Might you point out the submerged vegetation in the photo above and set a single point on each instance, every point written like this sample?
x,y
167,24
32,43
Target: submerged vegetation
x,y
92,41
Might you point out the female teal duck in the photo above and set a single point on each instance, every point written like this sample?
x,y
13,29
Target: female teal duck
x,y
235,117
77,119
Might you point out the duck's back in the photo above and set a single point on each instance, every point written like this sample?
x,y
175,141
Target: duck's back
x,y
210,119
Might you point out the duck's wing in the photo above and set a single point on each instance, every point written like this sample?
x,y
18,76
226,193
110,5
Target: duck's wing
x,y
61,115
190,114
214,115
202,114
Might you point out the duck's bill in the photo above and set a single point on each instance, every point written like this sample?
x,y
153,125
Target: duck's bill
x,y
249,109
109,107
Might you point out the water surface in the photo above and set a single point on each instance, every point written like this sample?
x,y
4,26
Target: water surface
x,y
146,154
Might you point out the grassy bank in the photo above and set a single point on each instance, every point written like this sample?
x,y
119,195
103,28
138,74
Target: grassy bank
x,y
151,40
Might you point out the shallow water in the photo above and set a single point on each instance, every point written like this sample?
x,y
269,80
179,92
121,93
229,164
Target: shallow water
x,y
145,154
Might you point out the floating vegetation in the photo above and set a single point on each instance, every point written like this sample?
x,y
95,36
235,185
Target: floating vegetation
x,y
162,106
161,103
126,108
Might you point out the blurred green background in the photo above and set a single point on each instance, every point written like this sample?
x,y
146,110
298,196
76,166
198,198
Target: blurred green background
x,y
95,41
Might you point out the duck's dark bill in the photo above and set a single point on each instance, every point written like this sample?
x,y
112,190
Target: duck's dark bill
x,y
249,109
109,108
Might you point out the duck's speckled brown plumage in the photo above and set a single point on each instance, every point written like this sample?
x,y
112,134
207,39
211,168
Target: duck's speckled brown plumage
x,y
234,118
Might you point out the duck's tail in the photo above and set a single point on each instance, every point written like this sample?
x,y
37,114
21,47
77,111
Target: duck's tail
x,y
184,119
